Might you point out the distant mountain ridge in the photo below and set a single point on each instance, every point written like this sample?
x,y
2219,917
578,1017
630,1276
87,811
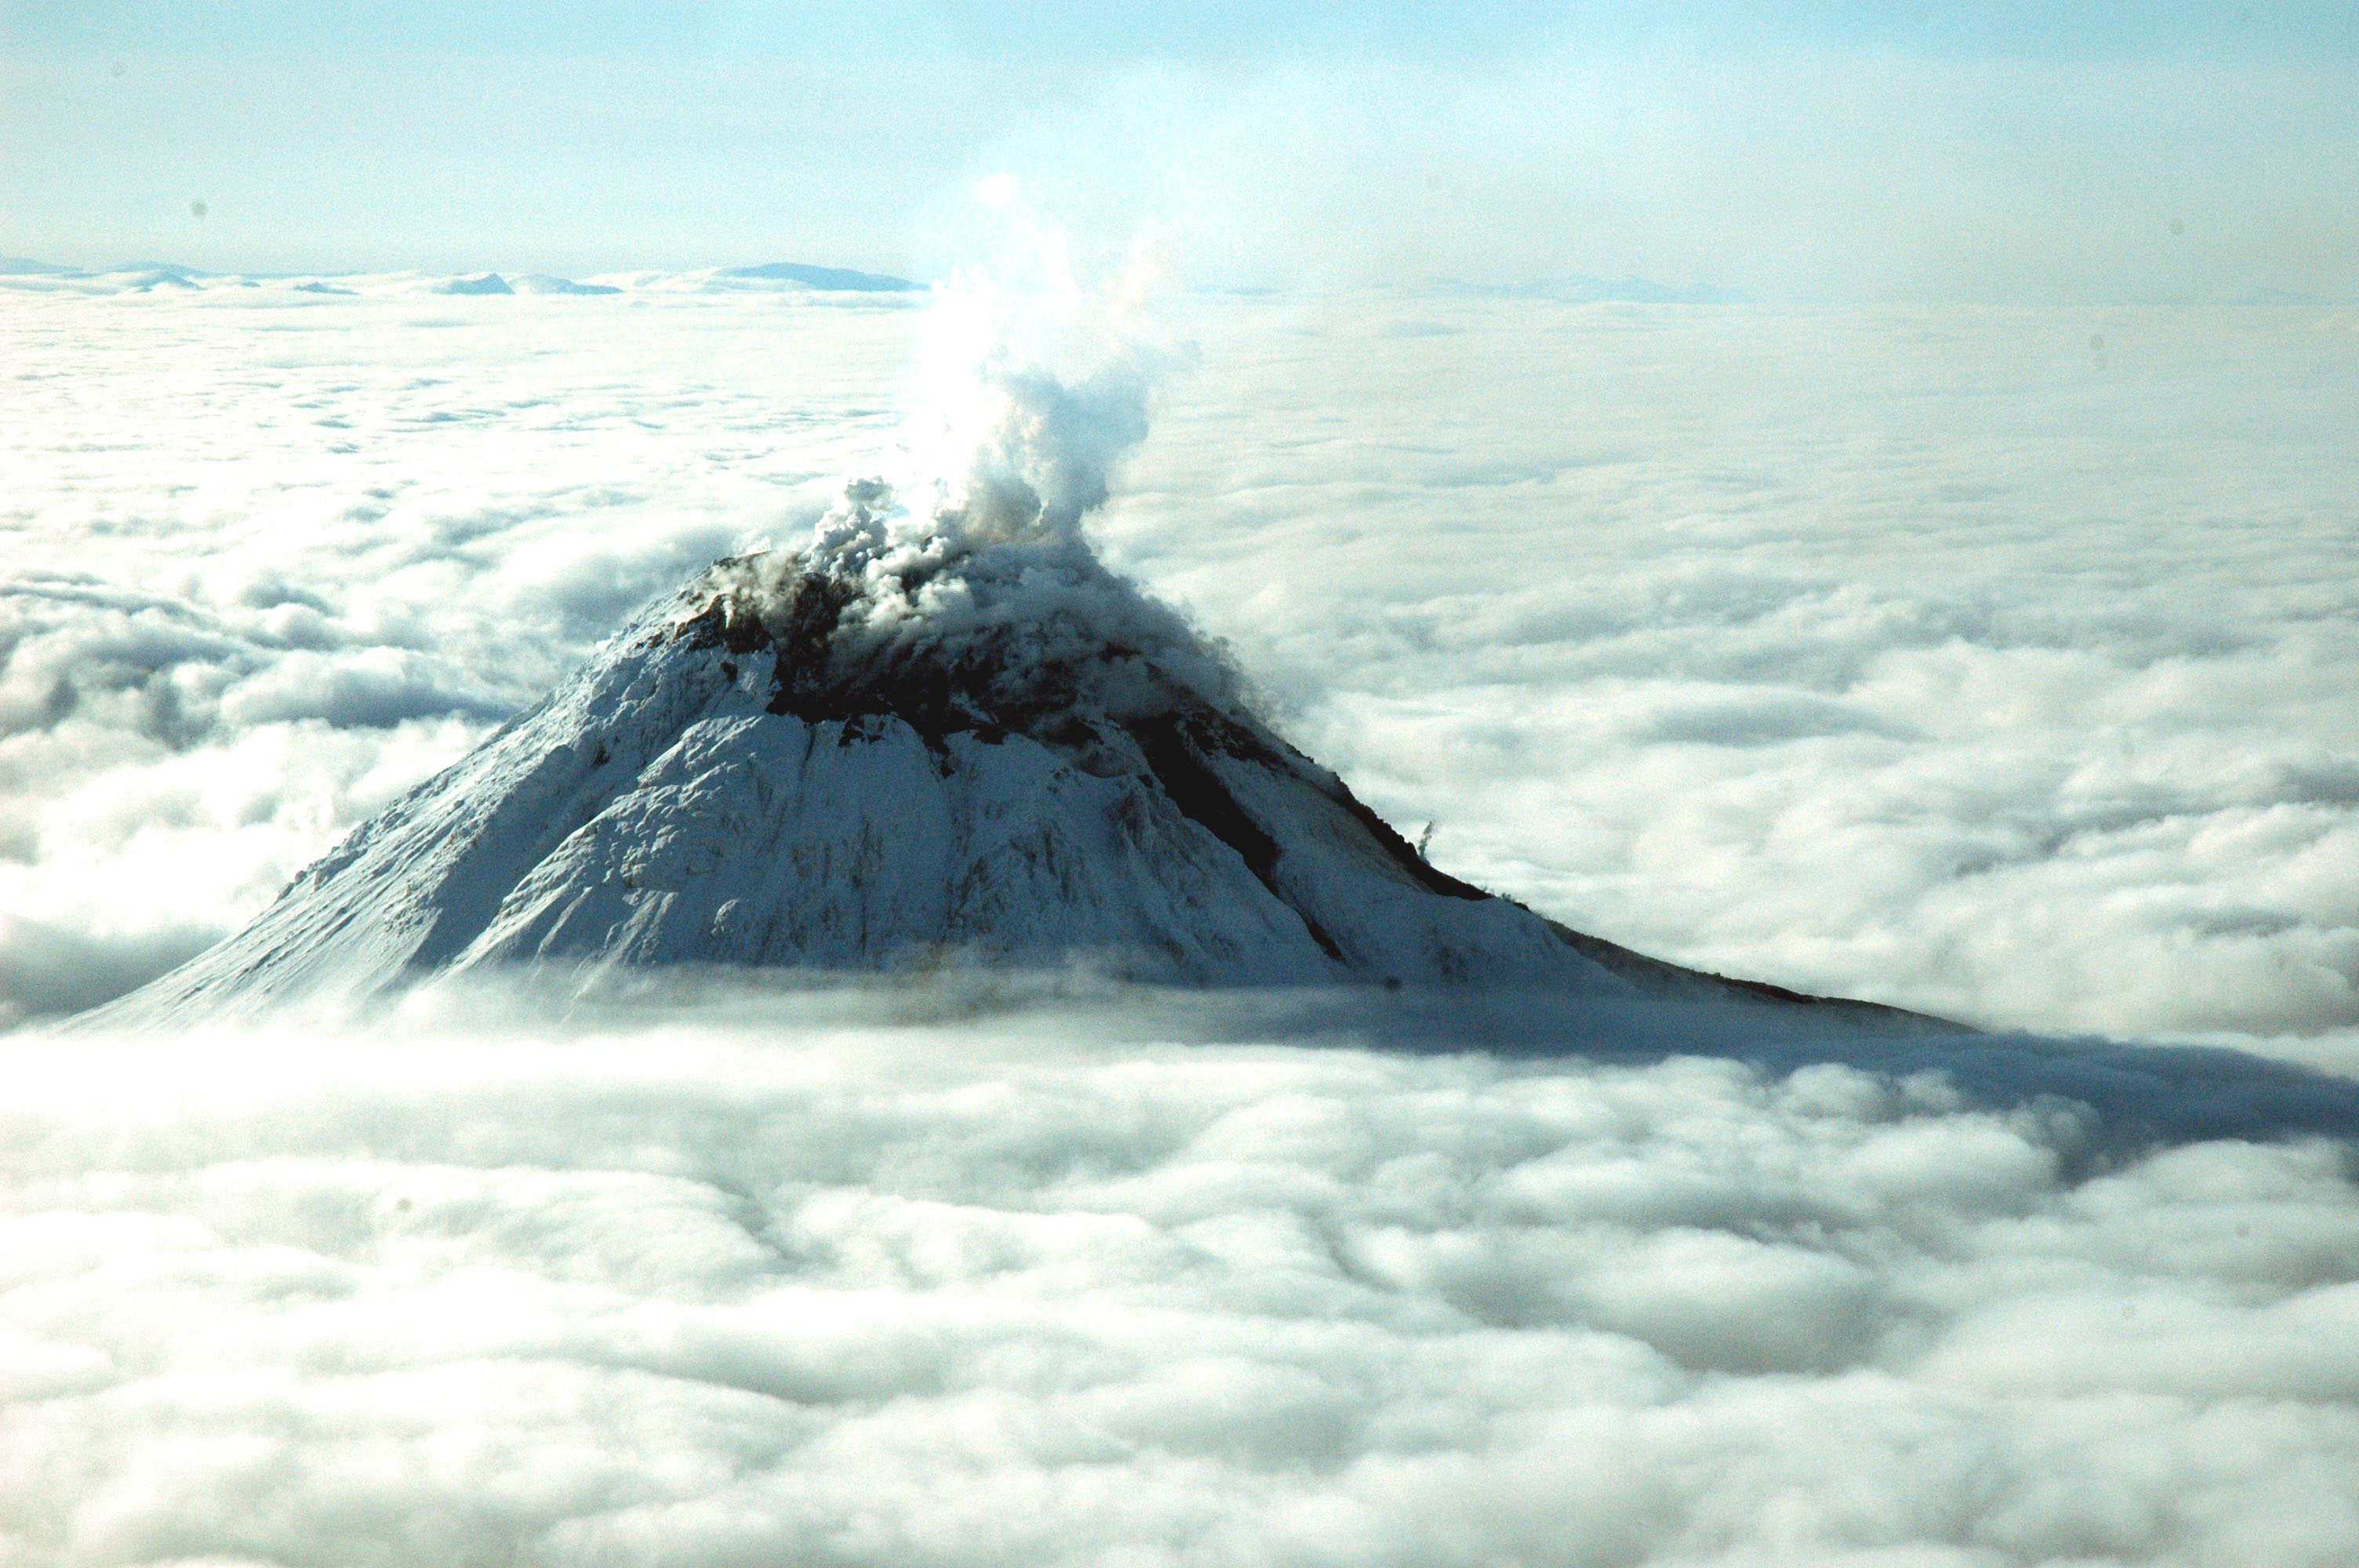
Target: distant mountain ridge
x,y
826,278
844,279
1580,290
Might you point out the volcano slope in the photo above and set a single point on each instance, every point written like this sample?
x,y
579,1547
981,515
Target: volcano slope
x,y
913,744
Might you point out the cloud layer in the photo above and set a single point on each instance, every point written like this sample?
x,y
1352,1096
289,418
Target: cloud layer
x,y
1989,661
751,1276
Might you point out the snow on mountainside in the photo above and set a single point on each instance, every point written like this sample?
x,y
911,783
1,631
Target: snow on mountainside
x,y
764,770
872,757
941,732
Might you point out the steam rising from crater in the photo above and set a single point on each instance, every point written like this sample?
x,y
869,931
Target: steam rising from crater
x,y
1027,399
967,556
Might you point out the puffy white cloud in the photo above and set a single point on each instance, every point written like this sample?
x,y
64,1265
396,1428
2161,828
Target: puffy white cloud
x,y
754,1274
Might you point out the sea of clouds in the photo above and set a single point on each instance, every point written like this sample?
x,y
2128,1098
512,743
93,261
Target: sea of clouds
x,y
747,1274
737,1274
2000,663
1995,662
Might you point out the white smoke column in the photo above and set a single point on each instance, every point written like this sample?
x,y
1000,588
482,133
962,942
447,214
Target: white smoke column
x,y
1033,384
966,552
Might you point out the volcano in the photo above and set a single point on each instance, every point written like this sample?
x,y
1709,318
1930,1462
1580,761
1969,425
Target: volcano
x,y
921,741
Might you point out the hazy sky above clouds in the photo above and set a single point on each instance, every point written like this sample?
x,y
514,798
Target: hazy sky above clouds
x,y
2080,153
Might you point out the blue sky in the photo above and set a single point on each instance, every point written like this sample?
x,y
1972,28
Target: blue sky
x,y
1111,31
2009,153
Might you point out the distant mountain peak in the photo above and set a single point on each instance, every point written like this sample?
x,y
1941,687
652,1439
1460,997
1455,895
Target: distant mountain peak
x,y
543,283
844,279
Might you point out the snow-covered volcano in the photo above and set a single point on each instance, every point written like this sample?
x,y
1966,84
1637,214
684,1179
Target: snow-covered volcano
x,y
940,733
956,742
